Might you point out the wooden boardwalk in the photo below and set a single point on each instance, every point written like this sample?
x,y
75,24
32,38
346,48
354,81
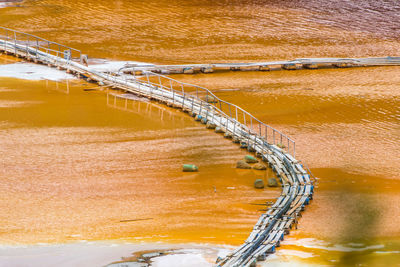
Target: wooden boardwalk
x,y
269,144
297,64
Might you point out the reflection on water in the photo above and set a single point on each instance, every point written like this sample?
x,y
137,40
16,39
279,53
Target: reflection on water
x,y
77,168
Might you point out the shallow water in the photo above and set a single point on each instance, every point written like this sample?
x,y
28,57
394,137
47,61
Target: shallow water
x,y
74,166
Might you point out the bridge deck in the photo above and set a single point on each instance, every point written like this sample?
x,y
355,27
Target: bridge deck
x,y
302,63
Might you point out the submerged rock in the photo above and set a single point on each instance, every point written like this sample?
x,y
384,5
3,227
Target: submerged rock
x,y
272,182
241,164
190,168
259,184
243,144
250,159
251,149
228,135
259,166
210,125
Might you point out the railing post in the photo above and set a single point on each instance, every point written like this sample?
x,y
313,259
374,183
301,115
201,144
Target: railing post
x,y
201,106
248,139
151,89
288,145
159,81
26,47
237,119
172,90
148,79
220,117
15,43
294,149
273,136
37,47
183,94
208,110
5,43
5,46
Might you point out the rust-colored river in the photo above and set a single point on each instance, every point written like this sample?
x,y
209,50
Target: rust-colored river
x,y
78,168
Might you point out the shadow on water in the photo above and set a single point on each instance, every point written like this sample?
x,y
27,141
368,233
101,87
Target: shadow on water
x,y
361,222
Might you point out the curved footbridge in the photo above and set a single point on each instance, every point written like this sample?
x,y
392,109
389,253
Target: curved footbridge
x,y
267,143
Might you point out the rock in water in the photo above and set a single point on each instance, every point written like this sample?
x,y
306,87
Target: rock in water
x,y
272,182
241,164
210,125
219,130
190,168
250,159
259,166
227,135
235,139
259,184
251,149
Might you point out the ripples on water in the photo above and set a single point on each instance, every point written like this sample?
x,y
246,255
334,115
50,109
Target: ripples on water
x,y
193,31
378,17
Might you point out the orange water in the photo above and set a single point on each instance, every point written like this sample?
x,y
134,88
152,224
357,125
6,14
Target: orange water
x,y
74,166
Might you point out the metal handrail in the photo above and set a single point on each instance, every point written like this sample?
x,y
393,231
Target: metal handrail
x,y
37,42
278,138
228,111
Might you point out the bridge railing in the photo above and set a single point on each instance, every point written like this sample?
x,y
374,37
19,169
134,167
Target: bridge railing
x,y
39,44
208,101
228,112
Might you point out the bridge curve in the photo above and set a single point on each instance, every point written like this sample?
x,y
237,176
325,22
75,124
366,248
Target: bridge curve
x,y
269,144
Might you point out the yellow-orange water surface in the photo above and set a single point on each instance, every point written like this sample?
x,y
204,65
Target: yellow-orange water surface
x,y
74,163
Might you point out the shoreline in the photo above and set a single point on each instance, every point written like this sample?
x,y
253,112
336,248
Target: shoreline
x,y
297,252
99,253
